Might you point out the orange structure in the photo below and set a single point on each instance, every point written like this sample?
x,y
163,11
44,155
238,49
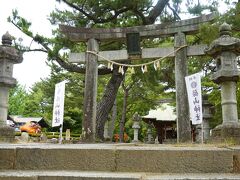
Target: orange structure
x,y
31,127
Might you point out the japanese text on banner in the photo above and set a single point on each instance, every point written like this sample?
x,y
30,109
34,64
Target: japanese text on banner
x,y
58,106
193,83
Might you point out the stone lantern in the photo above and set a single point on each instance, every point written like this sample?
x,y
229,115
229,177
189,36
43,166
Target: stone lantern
x,y
207,116
136,127
225,50
149,134
8,56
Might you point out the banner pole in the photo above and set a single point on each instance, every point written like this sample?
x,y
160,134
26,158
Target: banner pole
x,y
60,135
202,133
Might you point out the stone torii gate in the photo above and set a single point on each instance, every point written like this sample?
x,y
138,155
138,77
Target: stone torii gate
x,y
178,30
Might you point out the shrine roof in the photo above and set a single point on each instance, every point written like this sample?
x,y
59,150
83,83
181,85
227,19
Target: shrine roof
x,y
163,113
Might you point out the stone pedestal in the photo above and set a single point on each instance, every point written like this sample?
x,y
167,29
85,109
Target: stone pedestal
x,y
227,133
6,134
229,130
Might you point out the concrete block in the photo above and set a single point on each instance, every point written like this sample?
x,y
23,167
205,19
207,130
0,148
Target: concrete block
x,y
65,159
236,160
175,161
7,158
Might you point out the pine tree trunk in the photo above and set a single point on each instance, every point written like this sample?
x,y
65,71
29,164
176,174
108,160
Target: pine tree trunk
x,y
107,101
113,119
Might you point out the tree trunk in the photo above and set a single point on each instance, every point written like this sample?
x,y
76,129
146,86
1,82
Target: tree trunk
x,y
107,101
122,121
113,119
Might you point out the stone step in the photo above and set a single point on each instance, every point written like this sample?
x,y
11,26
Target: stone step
x,y
120,158
87,175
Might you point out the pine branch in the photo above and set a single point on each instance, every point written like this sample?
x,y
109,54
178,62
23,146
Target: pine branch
x,y
93,18
60,60
176,16
156,11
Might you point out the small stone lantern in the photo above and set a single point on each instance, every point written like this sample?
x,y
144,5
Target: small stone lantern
x,y
149,134
8,56
207,116
225,50
136,127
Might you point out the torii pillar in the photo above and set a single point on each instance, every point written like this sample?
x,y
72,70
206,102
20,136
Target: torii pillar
x,y
90,93
183,122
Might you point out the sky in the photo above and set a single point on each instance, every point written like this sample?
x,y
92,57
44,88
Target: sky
x,y
33,67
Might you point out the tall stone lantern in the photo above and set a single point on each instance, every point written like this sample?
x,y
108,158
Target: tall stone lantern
x,y
225,50
8,56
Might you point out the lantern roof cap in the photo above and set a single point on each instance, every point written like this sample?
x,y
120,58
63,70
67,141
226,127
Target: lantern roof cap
x,y
225,29
7,39
224,43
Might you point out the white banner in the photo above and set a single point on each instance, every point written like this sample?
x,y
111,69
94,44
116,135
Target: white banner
x,y
193,83
58,106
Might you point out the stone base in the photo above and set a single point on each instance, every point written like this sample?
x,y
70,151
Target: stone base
x,y
7,134
136,141
227,133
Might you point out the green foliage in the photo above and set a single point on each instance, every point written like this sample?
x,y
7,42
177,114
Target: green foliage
x,y
197,7
208,33
17,100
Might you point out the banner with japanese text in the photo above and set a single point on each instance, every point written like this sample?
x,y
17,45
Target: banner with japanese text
x,y
193,83
58,106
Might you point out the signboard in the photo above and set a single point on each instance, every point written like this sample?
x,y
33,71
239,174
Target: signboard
x,y
58,106
193,83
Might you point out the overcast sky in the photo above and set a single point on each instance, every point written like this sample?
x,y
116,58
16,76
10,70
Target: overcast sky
x,y
33,66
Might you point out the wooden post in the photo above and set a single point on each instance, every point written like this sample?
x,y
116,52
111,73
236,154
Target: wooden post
x,y
183,121
90,93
